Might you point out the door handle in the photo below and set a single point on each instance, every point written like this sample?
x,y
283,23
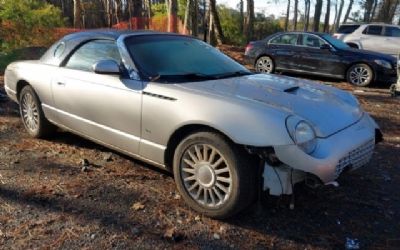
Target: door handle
x,y
60,83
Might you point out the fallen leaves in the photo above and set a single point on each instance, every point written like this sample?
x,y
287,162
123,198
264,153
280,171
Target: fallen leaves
x,y
138,206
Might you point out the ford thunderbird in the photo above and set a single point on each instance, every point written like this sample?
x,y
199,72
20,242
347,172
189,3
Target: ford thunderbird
x,y
178,103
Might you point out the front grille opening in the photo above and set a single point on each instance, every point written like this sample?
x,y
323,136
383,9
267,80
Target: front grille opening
x,y
355,158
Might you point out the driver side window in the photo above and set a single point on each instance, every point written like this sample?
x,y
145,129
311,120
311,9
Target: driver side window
x,y
312,41
90,53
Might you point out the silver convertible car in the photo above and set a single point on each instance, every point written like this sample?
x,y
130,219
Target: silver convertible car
x,y
180,104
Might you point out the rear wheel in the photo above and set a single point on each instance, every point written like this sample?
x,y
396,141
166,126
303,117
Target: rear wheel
x,y
265,64
213,175
32,114
360,75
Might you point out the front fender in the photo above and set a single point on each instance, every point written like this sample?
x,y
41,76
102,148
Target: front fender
x,y
243,122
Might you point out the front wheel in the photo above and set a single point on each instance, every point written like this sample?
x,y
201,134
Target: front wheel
x,y
360,75
32,114
265,64
212,175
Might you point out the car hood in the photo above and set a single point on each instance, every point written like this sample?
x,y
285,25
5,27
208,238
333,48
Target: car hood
x,y
327,109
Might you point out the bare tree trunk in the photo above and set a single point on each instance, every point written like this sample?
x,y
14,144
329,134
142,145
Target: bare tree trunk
x,y
138,13
206,17
77,14
367,5
186,24
327,16
216,23
317,15
339,16
172,15
195,21
296,4
307,6
130,14
346,16
118,10
287,16
241,10
334,19
371,18
249,25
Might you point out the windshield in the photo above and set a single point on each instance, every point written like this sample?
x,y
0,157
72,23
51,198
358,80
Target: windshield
x,y
335,42
170,57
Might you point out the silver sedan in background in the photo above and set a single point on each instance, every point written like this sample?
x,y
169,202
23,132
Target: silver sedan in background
x,y
180,104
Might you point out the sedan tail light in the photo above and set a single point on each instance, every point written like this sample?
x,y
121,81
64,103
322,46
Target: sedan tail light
x,y
248,48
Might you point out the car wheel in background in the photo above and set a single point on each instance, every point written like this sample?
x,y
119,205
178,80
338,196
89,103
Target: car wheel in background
x,y
32,114
265,64
213,175
360,75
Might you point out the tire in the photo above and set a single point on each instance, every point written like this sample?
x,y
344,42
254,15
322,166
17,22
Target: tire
x,y
360,75
218,191
32,114
265,64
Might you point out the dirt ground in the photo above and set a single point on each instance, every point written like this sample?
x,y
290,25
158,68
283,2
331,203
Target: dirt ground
x,y
69,193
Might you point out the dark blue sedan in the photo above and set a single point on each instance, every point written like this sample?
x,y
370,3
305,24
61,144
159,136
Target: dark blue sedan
x,y
320,54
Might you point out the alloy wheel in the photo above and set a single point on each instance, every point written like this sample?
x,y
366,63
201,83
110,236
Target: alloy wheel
x,y
265,65
30,112
359,75
206,175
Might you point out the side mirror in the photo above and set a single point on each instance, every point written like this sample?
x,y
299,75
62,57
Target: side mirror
x,y
109,67
325,46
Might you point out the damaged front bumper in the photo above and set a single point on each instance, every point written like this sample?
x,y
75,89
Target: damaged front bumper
x,y
348,149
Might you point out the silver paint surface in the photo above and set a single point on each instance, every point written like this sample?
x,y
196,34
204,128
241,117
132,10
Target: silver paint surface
x,y
138,117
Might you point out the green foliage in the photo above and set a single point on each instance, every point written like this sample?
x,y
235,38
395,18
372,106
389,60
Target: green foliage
x,y
7,58
265,26
230,22
231,25
159,9
27,22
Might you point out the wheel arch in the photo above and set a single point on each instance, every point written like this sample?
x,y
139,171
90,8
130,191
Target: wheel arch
x,y
179,134
20,85
354,45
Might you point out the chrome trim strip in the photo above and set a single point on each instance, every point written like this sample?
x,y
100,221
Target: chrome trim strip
x,y
309,72
132,137
159,96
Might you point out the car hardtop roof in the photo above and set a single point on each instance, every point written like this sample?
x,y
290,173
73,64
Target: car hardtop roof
x,y
113,34
300,32
373,23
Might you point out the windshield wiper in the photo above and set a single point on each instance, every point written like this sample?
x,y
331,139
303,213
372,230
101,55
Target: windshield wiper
x,y
233,74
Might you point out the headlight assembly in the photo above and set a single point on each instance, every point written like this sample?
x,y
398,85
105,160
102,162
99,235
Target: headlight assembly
x,y
302,134
384,64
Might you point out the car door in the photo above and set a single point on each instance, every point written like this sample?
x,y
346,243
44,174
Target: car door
x,y
284,50
392,40
317,60
372,39
106,108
